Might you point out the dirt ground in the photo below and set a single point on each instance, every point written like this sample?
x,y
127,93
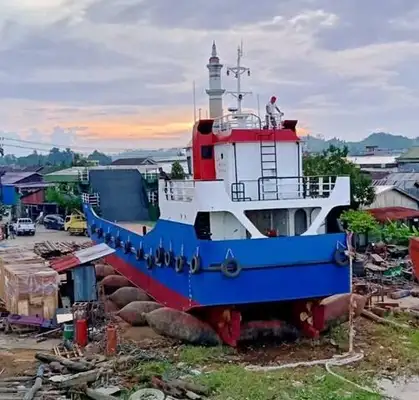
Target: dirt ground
x,y
42,235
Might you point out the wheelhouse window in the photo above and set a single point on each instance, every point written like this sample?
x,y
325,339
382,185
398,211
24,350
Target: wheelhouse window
x,y
207,152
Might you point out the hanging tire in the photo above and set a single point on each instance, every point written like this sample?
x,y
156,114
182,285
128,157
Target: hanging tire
x,y
117,242
180,263
231,268
139,254
100,233
159,254
108,238
341,258
195,265
150,261
127,247
93,229
168,258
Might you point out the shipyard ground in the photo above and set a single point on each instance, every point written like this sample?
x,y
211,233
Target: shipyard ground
x,y
390,353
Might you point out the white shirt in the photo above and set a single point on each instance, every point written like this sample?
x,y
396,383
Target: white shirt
x,y
271,108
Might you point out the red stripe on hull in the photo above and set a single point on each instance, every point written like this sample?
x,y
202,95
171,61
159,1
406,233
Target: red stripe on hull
x,y
154,288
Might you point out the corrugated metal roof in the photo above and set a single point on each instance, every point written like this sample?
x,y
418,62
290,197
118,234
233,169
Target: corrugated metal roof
x,y
382,188
372,160
9,178
81,257
412,153
134,161
385,214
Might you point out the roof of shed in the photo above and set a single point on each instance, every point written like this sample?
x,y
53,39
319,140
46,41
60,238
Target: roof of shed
x,y
385,214
81,257
10,178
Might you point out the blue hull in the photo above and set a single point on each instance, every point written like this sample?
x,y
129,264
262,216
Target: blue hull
x,y
273,269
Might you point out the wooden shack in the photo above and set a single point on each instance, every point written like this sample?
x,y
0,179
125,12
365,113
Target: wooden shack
x,y
27,285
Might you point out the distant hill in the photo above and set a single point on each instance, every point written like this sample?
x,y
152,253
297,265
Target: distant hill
x,y
385,141
159,153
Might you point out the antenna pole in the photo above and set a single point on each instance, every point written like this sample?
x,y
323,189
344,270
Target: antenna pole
x,y
258,99
194,101
237,72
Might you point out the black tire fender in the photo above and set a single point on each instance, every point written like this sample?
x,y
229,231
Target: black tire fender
x,y
159,255
195,266
341,258
127,247
107,237
100,233
150,261
93,229
139,254
180,262
168,258
231,268
117,242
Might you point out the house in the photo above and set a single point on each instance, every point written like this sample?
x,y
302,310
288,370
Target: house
x,y
409,161
25,192
134,161
12,184
393,196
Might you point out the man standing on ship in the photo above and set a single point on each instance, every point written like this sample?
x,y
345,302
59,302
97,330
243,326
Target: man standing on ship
x,y
271,110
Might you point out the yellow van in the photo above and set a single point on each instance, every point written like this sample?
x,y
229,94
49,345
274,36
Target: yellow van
x,y
75,224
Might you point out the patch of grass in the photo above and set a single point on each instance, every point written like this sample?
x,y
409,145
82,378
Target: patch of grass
x,y
198,355
146,370
339,335
235,383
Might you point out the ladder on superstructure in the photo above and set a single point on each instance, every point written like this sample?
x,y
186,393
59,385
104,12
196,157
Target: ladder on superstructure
x,y
268,184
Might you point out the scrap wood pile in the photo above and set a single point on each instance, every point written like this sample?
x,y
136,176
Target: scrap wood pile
x,y
98,378
48,250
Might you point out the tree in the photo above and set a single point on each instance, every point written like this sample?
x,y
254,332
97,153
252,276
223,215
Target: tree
x,y
333,162
177,171
102,158
66,200
360,222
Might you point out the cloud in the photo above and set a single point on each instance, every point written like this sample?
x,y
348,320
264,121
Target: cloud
x,y
123,70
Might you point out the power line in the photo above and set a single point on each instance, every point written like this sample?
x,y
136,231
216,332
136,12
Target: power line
x,y
62,146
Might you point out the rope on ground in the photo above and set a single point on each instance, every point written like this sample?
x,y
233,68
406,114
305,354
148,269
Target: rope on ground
x,y
339,360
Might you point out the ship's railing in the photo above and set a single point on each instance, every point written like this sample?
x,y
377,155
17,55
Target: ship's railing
x,y
283,188
90,198
224,124
177,190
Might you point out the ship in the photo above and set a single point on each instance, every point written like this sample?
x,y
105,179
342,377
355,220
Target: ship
x,y
247,237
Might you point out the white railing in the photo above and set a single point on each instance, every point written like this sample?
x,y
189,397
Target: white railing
x,y
224,124
287,188
90,198
182,190
273,121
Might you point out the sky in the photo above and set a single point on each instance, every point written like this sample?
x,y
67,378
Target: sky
x,y
117,74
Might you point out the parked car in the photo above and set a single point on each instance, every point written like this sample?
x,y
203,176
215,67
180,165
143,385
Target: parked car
x,y
24,226
50,217
54,222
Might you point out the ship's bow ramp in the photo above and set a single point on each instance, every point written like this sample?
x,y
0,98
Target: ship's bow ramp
x,y
122,194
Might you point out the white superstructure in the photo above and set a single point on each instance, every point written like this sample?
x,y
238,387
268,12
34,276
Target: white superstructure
x,y
248,180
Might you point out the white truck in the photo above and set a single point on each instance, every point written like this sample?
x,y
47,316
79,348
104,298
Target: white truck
x,y
24,226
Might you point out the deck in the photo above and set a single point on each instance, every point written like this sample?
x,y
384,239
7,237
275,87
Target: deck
x,y
137,227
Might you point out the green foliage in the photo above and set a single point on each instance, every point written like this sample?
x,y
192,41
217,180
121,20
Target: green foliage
x,y
56,157
398,233
333,162
64,199
360,222
177,171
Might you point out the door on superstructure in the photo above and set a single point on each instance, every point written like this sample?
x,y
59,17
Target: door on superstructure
x,y
300,222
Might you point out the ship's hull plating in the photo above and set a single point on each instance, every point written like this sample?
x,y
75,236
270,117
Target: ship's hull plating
x,y
273,269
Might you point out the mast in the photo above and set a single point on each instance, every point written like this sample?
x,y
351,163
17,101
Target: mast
x,y
237,72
